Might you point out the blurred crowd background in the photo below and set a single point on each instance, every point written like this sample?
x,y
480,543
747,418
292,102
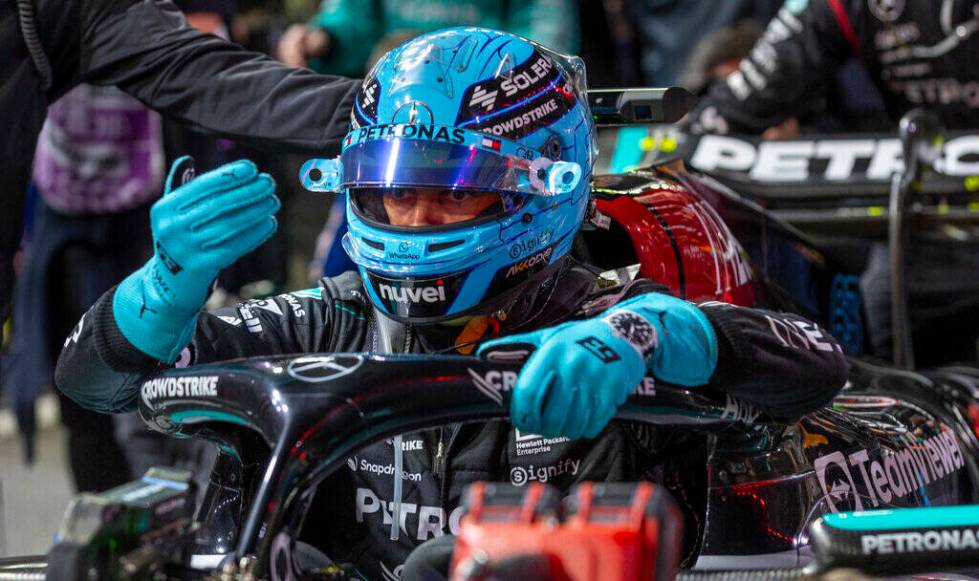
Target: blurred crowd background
x,y
102,159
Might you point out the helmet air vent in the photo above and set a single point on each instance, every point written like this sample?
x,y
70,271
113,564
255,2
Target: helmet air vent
x,y
437,246
373,243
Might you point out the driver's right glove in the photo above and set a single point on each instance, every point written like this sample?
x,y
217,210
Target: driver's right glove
x,y
199,228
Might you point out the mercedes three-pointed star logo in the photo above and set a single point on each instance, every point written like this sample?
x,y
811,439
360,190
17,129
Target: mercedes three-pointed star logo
x,y
320,368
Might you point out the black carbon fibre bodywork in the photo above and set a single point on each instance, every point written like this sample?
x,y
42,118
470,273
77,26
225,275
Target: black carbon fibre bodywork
x,y
770,485
890,439
314,411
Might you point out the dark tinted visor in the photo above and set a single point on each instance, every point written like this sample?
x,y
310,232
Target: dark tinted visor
x,y
427,207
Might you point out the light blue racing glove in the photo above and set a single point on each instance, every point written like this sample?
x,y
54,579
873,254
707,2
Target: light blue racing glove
x,y
199,227
580,372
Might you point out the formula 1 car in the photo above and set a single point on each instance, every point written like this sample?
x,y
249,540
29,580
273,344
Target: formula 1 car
x,y
771,497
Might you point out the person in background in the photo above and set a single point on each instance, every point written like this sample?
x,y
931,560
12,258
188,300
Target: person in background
x,y
718,55
98,167
667,31
344,34
147,49
917,53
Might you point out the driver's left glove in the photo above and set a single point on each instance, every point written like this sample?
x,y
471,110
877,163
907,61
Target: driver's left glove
x,y
580,372
199,228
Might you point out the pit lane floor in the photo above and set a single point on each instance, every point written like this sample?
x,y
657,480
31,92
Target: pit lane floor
x,y
33,498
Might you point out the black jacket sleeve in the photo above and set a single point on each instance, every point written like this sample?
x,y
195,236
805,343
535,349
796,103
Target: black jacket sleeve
x,y
785,364
101,370
787,70
146,48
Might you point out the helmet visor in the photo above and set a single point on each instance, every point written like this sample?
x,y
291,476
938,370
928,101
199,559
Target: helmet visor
x,y
413,163
427,206
460,161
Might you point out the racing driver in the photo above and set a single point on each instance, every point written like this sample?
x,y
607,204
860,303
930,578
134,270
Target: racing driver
x,y
467,177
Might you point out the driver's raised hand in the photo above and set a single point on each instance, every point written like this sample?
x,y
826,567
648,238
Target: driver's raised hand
x,y
580,372
199,226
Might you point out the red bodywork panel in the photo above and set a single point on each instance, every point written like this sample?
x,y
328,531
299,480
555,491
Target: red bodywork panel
x,y
682,243
636,536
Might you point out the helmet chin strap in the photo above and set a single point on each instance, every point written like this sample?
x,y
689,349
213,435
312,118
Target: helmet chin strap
x,y
393,337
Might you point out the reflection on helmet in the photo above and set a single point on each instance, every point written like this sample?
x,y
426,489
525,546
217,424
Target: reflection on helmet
x,y
467,171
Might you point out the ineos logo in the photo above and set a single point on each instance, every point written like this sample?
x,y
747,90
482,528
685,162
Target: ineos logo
x,y
323,368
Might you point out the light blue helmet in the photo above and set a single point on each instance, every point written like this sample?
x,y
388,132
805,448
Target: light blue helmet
x,y
464,110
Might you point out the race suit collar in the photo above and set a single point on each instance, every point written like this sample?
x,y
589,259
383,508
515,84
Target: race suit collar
x,y
553,301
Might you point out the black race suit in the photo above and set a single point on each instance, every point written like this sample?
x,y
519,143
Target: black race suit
x,y
147,49
918,53
351,518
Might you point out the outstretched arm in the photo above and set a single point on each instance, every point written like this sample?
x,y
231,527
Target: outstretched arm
x,y
146,48
100,369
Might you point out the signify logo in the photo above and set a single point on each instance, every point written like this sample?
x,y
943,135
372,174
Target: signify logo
x,y
520,475
427,294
